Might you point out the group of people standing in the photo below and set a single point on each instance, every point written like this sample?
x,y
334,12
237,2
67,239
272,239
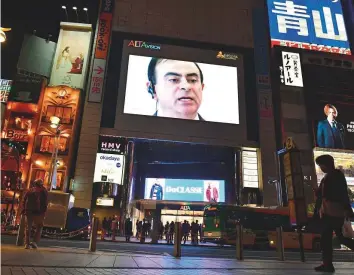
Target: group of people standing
x,y
110,226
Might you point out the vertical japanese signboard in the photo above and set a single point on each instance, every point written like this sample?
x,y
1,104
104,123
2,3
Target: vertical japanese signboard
x,y
70,60
5,87
290,72
314,25
101,51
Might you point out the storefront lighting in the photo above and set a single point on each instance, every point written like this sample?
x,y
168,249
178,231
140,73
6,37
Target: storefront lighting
x,y
54,122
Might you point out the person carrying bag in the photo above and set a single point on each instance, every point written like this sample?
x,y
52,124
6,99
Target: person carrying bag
x,y
332,208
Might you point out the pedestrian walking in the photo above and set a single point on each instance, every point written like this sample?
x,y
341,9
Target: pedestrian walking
x,y
332,208
128,228
171,232
34,208
185,231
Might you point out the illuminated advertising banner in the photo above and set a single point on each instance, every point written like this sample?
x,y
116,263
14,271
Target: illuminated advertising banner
x,y
250,169
184,190
71,56
112,145
290,72
109,168
5,87
343,161
314,25
181,89
329,89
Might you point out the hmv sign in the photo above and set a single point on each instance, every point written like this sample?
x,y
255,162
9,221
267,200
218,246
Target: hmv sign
x,y
112,145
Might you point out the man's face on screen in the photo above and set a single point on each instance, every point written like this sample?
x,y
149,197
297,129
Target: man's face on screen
x,y
178,88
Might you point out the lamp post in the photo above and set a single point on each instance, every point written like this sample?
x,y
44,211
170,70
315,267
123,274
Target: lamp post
x,y
54,123
77,15
66,12
87,16
2,34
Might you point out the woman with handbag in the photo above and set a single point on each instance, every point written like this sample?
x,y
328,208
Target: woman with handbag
x,y
332,208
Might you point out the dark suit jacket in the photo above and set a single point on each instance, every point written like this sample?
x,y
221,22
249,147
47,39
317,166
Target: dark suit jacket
x,y
199,116
325,136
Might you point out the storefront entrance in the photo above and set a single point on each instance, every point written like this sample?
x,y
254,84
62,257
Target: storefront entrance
x,y
181,215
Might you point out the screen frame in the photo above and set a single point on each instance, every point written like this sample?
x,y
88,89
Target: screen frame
x,y
146,127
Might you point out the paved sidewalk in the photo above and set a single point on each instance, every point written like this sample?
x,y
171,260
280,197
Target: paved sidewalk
x,y
66,261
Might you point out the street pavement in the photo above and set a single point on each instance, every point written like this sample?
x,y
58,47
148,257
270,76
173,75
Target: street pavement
x,y
70,261
187,251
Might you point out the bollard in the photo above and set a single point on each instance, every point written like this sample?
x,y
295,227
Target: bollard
x,y
178,239
21,231
239,242
301,243
280,243
93,237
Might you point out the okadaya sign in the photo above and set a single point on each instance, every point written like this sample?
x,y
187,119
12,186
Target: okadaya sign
x,y
185,190
109,168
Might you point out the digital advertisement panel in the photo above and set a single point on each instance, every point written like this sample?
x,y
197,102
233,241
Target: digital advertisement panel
x,y
109,168
343,161
181,93
184,190
329,88
334,125
316,25
181,89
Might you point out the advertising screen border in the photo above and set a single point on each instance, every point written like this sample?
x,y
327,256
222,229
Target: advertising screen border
x,y
181,130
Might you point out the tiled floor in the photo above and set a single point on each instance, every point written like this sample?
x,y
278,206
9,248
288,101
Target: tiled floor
x,y
97,271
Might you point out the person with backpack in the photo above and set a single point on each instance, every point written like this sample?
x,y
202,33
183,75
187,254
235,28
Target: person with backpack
x,y
34,208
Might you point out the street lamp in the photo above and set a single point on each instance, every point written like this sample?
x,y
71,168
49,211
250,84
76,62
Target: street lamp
x,y
2,34
77,15
54,123
87,17
66,12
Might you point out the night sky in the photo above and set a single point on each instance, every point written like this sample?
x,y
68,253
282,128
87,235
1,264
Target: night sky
x,y
44,16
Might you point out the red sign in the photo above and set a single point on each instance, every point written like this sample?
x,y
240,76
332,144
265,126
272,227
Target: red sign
x,y
313,47
103,35
16,135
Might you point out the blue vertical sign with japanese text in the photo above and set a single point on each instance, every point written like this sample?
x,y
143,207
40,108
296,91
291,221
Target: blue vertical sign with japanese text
x,y
308,24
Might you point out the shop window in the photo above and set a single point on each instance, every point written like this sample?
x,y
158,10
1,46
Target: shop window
x,y
60,181
64,113
38,174
46,145
43,174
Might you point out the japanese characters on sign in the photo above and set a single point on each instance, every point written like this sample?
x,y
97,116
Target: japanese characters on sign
x,y
101,51
314,25
290,72
5,87
97,80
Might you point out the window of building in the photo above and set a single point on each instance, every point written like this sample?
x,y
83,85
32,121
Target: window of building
x,y
47,145
64,113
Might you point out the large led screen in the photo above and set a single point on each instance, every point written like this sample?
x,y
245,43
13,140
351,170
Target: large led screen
x,y
181,93
343,161
181,89
184,190
334,125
